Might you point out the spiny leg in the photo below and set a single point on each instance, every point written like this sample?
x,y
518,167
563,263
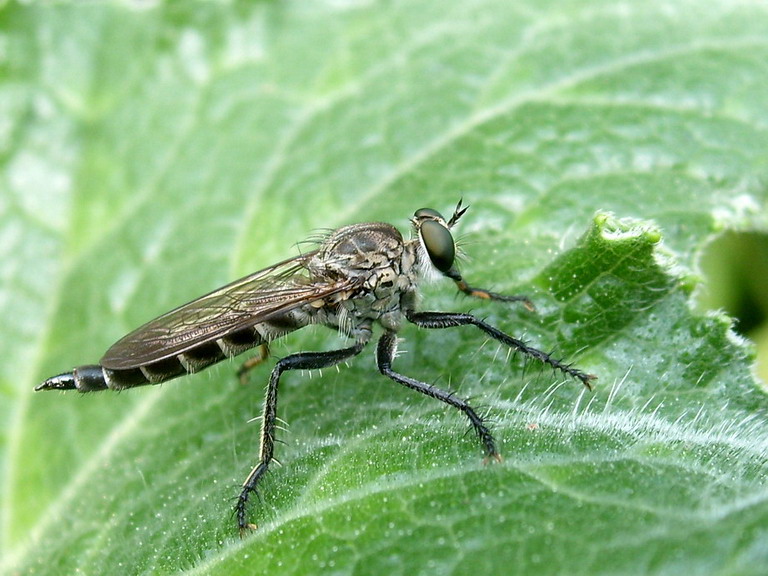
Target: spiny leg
x,y
298,361
385,353
450,319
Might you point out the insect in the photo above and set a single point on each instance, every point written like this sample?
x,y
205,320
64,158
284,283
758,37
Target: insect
x,y
359,275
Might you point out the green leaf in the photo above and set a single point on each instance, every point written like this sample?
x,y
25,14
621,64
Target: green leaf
x,y
153,153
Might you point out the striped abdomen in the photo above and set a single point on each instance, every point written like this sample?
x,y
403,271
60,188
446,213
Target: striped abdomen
x,y
95,377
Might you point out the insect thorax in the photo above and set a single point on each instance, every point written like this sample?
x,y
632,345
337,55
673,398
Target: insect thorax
x,y
382,267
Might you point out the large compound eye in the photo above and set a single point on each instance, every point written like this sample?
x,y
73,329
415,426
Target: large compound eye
x,y
438,242
428,213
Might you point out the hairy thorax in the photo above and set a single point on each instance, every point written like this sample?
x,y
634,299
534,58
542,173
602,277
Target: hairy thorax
x,y
383,269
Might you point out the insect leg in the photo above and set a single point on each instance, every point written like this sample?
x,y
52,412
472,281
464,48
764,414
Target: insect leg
x,y
488,295
385,353
450,319
251,363
298,361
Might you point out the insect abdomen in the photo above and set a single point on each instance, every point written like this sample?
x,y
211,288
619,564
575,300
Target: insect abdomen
x,y
94,377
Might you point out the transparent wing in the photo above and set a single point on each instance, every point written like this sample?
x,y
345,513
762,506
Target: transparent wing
x,y
239,305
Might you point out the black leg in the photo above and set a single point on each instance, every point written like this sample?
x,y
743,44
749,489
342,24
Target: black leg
x,y
450,319
385,353
299,361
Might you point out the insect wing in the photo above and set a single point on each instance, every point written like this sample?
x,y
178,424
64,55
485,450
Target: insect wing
x,y
243,303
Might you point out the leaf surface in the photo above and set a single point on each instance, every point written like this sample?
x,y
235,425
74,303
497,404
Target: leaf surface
x,y
151,154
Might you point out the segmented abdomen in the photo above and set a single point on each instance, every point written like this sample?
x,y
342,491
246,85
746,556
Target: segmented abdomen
x,y
95,377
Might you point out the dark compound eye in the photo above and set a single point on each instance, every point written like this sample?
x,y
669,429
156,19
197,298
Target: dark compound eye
x,y
438,242
428,213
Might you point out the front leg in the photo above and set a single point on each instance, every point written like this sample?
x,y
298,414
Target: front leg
x,y
298,361
450,319
488,295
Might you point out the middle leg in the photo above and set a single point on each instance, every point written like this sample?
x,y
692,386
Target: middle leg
x,y
385,353
451,319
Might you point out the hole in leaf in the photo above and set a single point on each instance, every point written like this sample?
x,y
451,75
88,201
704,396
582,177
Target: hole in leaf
x,y
736,269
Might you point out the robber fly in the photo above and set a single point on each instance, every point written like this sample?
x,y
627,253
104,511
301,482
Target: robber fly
x,y
358,276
